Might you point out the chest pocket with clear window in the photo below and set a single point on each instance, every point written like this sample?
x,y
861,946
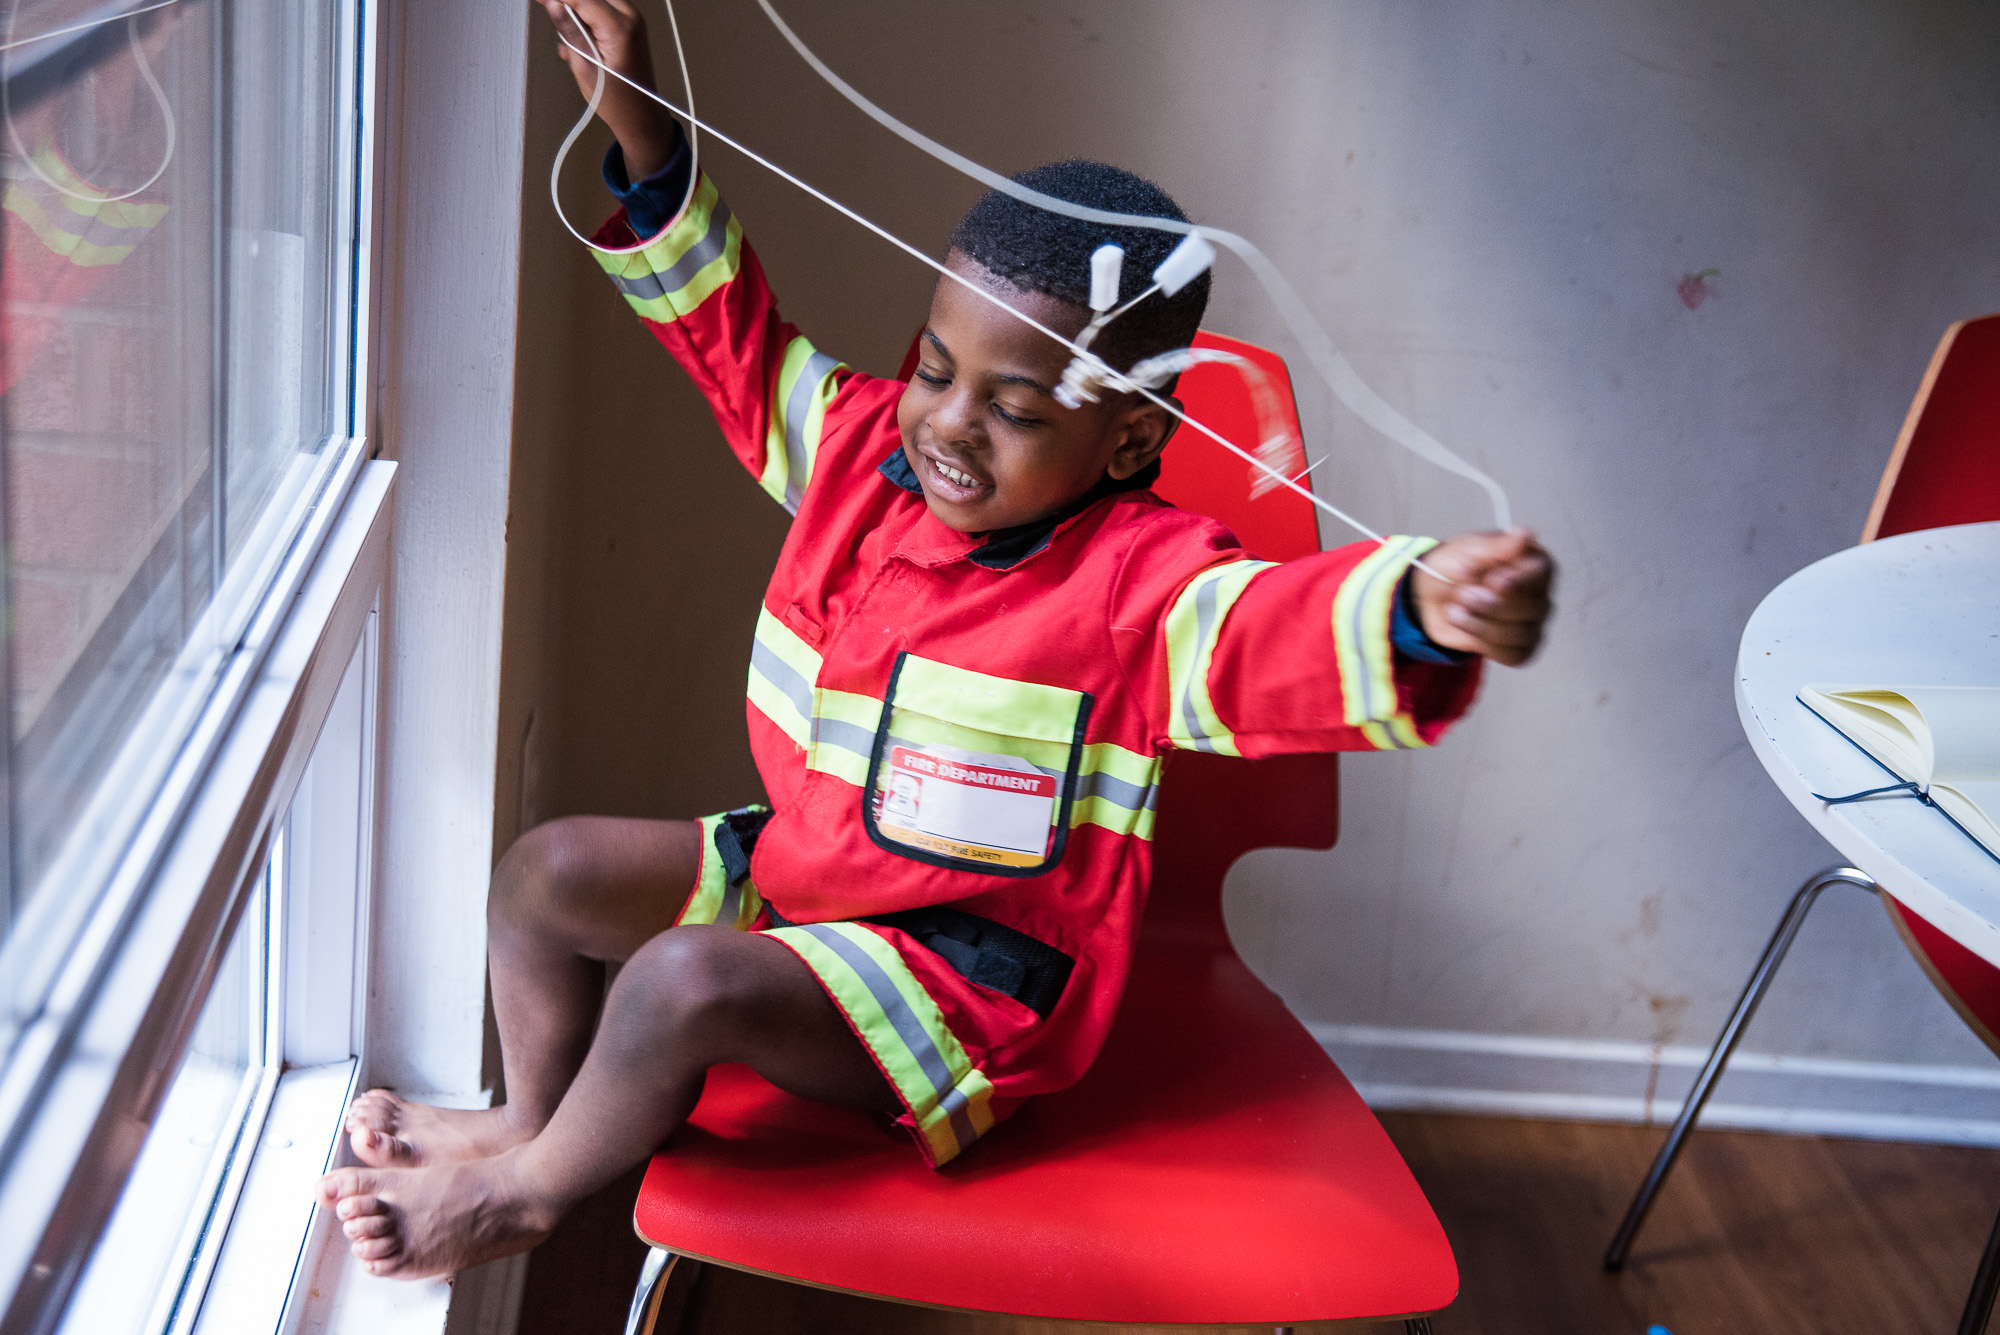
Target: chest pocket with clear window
x,y
974,772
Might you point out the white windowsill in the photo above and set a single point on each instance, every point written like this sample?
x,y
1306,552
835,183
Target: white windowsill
x,y
335,1296
344,1299
285,1253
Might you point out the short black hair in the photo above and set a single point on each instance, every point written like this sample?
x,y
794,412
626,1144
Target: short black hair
x,y
1046,252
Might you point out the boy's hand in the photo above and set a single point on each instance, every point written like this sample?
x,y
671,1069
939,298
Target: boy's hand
x,y
1500,601
644,129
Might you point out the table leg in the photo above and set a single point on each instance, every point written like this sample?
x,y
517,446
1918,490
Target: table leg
x,y
1985,1283
1725,1044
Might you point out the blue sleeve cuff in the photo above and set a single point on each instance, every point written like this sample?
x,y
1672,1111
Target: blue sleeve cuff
x,y
650,204
1406,633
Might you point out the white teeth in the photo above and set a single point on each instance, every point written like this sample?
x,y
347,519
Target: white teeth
x,y
951,474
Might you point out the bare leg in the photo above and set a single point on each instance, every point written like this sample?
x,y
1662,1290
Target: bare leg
x,y
690,998
568,896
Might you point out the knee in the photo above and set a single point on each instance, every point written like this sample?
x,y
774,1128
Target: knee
x,y
695,980
539,877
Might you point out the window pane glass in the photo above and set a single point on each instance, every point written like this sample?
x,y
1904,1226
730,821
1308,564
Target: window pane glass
x,y
136,1275
173,340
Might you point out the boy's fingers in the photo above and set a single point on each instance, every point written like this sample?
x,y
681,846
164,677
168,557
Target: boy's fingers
x,y
1531,604
1493,631
1473,557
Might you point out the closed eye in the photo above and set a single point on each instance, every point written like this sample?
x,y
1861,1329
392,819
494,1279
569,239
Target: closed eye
x,y
1011,419
934,381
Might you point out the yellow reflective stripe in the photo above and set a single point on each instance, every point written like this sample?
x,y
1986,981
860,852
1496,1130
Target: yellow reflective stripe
x,y
692,257
52,229
783,668
713,899
843,733
991,704
797,411
1117,789
117,214
1117,819
1361,618
948,1098
925,730
1194,628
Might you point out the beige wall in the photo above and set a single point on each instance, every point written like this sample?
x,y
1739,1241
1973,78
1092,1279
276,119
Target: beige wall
x,y
1489,206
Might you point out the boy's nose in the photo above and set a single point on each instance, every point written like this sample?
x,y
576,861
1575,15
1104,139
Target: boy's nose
x,y
955,419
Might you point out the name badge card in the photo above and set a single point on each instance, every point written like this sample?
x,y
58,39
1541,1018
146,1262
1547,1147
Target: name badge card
x,y
977,805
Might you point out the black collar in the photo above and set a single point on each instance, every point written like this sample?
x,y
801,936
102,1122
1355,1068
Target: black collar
x,y
1006,548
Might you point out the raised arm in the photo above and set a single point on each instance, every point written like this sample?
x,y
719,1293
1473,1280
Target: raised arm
x,y
692,277
647,134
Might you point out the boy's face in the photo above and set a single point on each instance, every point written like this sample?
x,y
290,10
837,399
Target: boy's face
x,y
980,422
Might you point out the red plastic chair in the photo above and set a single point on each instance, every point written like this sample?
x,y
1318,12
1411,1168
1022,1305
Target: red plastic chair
x,y
1944,470
1214,1167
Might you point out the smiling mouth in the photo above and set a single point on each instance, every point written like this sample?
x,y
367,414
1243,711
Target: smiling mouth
x,y
952,484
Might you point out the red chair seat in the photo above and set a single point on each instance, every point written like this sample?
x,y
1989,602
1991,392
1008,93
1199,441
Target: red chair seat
x,y
1214,1166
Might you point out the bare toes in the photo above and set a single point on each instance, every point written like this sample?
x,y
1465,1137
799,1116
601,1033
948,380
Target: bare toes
x,y
376,1110
354,1207
339,1185
376,1249
368,1226
379,1149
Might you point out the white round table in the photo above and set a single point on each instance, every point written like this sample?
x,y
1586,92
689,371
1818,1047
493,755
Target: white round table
x,y
1919,609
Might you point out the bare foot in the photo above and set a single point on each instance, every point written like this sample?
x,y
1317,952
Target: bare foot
x,y
412,1222
390,1132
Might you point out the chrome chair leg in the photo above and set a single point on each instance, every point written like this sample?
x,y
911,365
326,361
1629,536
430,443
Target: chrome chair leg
x,y
1725,1044
1985,1283
652,1287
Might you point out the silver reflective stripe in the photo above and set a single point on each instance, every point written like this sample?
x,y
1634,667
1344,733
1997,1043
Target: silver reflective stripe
x,y
846,736
1204,608
765,662
657,283
798,407
894,1008
732,901
1118,792
954,1104
98,232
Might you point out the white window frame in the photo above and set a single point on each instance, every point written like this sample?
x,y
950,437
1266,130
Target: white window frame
x,y
244,783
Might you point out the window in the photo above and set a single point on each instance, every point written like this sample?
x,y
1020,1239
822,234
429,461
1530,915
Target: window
x,y
195,543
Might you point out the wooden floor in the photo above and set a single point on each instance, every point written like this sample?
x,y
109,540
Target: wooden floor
x,y
1780,1235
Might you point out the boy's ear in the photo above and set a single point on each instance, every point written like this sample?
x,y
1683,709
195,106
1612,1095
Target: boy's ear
x,y
1147,427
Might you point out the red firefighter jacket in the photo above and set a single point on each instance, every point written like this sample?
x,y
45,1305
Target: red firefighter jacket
x,y
1029,708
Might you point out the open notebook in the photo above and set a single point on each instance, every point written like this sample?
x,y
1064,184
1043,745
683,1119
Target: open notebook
x,y
1941,742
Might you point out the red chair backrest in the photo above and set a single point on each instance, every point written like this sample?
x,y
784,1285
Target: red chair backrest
x,y
1214,809
1197,474
1945,468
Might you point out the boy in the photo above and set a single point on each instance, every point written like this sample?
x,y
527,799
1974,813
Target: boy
x,y
982,637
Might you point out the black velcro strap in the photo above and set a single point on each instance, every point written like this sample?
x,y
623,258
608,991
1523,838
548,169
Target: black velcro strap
x,y
736,838
982,951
